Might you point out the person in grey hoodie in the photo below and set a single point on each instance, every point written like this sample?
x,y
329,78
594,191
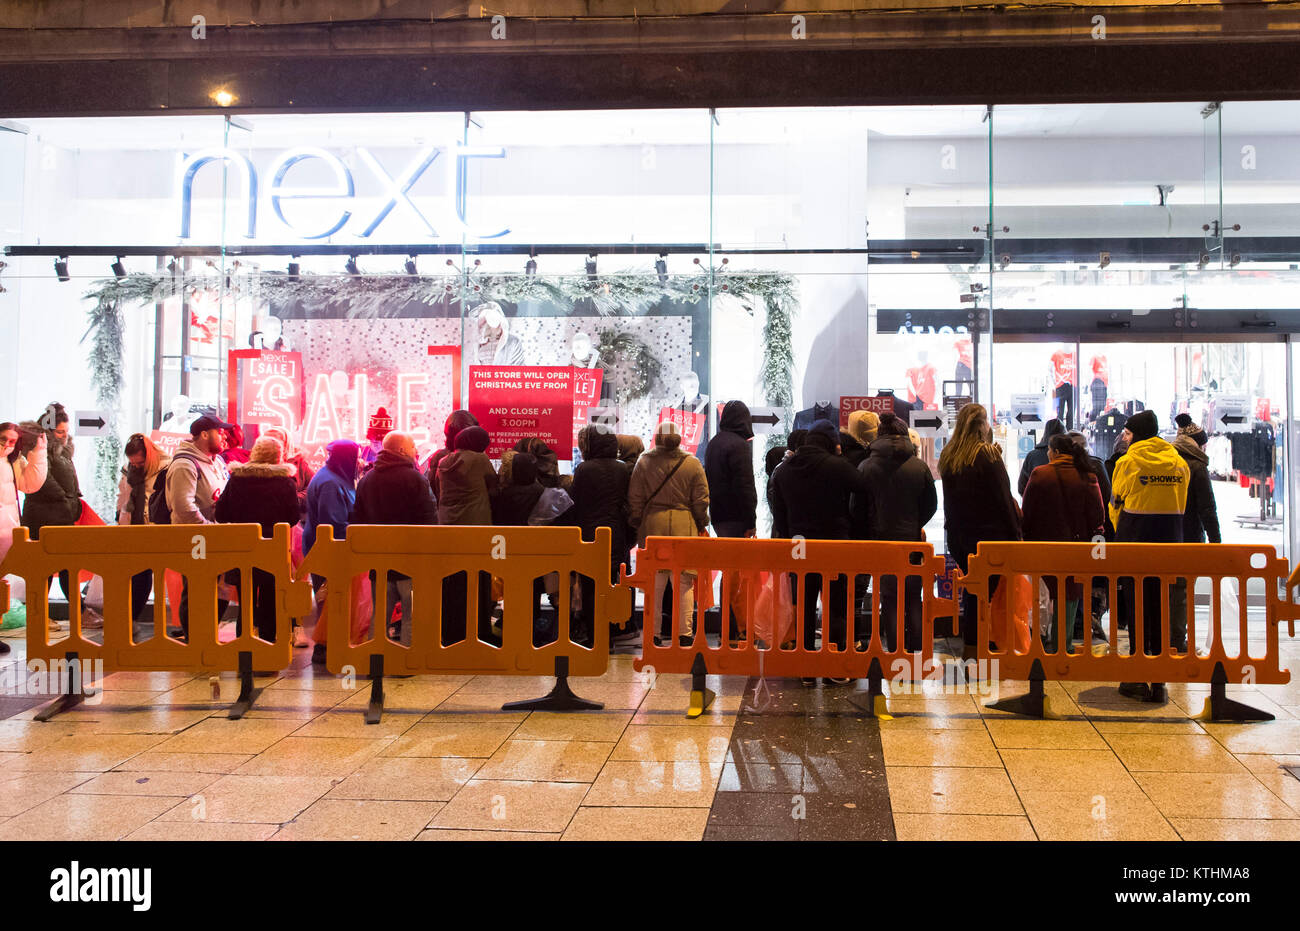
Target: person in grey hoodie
x,y
195,480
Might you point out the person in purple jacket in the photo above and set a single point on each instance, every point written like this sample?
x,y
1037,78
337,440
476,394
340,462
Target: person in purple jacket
x,y
330,497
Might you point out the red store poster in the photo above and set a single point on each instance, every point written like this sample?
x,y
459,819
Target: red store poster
x,y
266,388
861,402
515,402
168,442
689,423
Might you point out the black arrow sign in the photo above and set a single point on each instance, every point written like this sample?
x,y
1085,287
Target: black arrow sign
x,y
770,419
933,423
1232,418
1024,418
97,423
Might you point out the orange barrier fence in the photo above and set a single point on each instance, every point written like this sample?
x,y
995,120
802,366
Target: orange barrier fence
x,y
1150,588
202,554
443,579
767,584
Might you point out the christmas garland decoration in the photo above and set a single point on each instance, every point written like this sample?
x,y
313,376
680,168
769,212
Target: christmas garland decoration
x,y
627,351
105,331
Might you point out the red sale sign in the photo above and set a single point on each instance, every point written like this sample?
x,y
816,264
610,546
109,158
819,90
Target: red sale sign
x,y
516,402
689,423
266,388
168,442
586,394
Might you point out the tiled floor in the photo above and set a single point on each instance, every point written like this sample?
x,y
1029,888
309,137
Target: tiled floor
x,y
156,758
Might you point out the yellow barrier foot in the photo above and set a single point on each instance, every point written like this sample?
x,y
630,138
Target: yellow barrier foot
x,y
875,703
559,698
73,692
1219,707
375,710
247,694
701,699
1033,705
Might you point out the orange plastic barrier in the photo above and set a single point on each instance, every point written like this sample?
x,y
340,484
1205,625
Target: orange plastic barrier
x,y
203,553
757,570
516,556
1134,573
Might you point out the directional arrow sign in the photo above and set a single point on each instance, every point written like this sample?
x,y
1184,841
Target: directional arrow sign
x,y
91,423
1025,410
929,423
1232,413
1028,418
767,419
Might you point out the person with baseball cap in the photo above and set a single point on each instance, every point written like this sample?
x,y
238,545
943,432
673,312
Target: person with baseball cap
x,y
195,480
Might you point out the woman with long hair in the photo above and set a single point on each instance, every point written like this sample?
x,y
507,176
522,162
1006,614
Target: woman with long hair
x,y
144,460
18,473
977,501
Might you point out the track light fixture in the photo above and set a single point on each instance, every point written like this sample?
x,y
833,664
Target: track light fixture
x,y
661,268
351,266
295,268
171,266
1235,260
591,267
1203,261
119,270
61,268
1104,259
410,265
530,267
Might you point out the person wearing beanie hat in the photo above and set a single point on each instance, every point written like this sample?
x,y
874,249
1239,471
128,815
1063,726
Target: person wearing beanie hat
x,y
864,426
809,495
1148,501
1201,517
668,496
260,491
378,426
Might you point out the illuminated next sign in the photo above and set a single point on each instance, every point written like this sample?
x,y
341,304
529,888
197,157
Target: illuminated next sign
x,y
343,188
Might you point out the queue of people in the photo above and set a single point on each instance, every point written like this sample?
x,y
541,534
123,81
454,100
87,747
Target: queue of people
x,y
865,483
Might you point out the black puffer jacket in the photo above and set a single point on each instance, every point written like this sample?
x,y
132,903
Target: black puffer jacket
x,y
902,498
259,493
599,493
809,494
852,450
729,468
1201,518
513,503
393,492
1038,455
57,502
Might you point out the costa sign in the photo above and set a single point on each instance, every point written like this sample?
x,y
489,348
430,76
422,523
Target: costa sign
x,y
395,193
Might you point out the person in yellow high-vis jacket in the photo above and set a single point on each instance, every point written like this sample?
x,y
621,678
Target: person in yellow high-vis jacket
x,y
1148,497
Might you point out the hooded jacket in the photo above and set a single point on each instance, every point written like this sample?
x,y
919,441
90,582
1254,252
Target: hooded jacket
x,y
58,501
1038,455
1062,504
680,508
1201,516
194,483
456,422
468,484
809,494
630,448
393,492
513,503
600,491
332,492
729,468
133,490
259,493
902,498
1149,493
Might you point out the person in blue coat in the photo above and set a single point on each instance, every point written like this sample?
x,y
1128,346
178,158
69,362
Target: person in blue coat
x,y
330,498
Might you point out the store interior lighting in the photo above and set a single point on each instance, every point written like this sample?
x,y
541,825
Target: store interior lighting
x,y
410,265
294,269
351,266
119,270
61,268
591,267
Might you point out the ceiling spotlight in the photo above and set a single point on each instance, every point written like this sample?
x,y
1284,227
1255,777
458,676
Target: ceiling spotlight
x,y
351,266
410,265
530,267
591,267
1104,259
661,268
1004,260
1235,260
61,268
295,269
171,266
119,270
1203,261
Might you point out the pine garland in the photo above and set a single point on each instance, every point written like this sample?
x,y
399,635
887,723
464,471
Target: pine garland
x,y
107,377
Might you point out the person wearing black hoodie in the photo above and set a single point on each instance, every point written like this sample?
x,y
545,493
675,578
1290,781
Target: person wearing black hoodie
x,y
1201,517
394,492
899,503
729,468
456,422
809,494
599,493
1038,456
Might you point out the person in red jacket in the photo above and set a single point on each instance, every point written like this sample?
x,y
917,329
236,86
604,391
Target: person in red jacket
x,y
1062,502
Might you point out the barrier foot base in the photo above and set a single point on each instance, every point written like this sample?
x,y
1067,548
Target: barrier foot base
x,y
1033,705
874,702
71,697
559,698
375,710
247,694
701,696
1219,707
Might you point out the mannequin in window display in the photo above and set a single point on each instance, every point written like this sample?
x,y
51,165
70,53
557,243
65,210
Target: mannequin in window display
x,y
496,345
268,333
178,417
583,355
965,359
900,408
1063,379
921,382
821,410
1099,386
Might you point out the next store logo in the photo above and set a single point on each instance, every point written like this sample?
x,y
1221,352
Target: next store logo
x,y
396,188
